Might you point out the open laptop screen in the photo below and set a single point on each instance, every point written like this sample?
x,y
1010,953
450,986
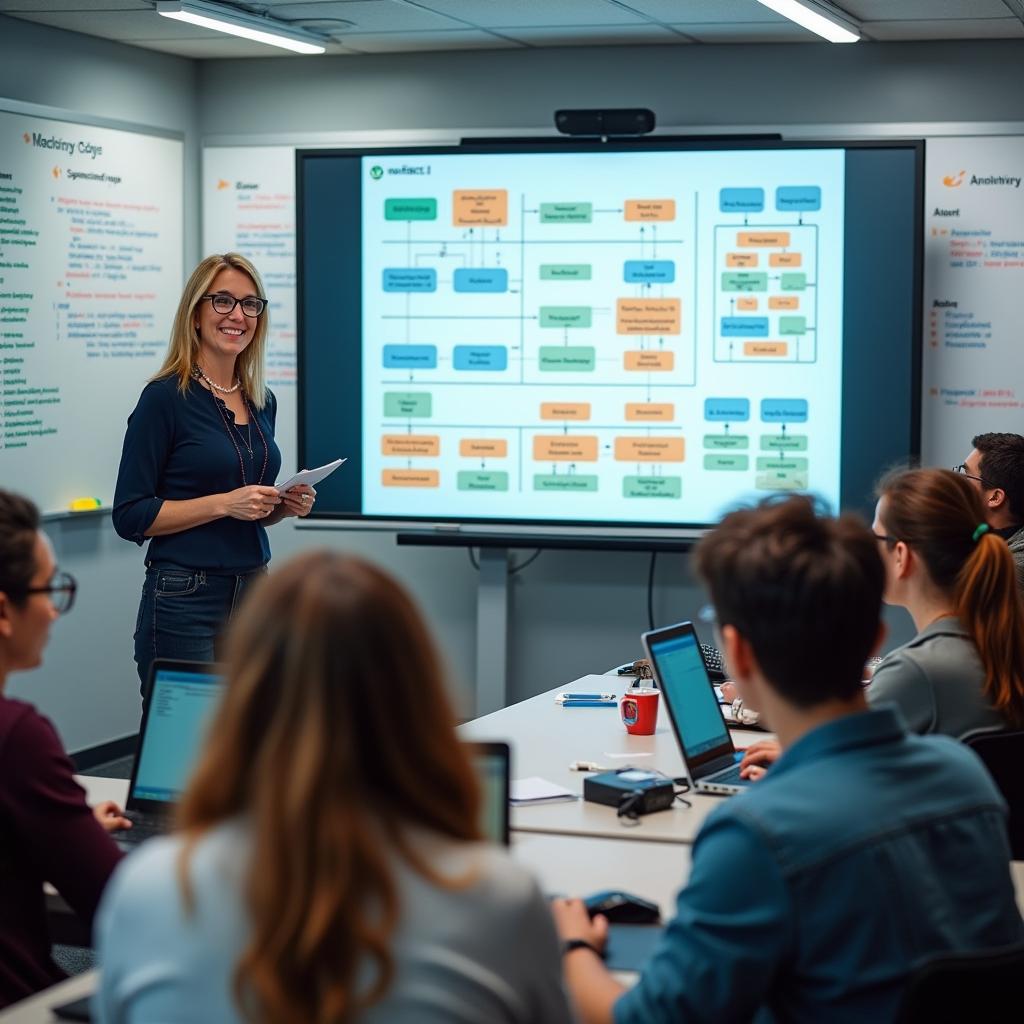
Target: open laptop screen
x,y
688,692
181,703
491,761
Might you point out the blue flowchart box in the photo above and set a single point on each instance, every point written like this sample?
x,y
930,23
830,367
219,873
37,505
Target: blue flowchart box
x,y
784,410
410,357
410,279
649,271
744,327
480,357
722,410
798,197
478,279
741,200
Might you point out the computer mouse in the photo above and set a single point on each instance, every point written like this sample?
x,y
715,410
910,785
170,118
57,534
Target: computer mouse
x,y
622,907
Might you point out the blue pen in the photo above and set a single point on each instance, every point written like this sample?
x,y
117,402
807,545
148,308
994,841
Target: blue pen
x,y
583,696
589,704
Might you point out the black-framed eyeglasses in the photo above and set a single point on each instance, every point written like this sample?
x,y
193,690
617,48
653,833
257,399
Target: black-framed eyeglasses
x,y
224,304
886,538
962,470
61,590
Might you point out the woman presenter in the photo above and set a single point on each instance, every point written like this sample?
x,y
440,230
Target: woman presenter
x,y
198,466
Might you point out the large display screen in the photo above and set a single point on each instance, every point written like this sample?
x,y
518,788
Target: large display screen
x,y
620,337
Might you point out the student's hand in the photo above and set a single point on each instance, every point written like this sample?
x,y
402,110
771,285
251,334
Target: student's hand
x,y
254,502
110,816
298,500
729,692
757,757
573,922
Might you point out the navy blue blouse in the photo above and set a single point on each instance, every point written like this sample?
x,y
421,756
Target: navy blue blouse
x,y
178,447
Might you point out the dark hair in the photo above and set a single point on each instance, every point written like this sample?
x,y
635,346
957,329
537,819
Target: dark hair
x,y
335,735
1002,466
804,589
19,524
936,513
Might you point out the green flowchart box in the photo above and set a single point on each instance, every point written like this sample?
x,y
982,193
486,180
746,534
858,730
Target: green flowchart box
x,y
744,281
652,487
781,482
793,281
565,316
782,465
726,441
565,482
565,272
566,213
408,403
792,325
568,358
726,463
482,480
787,443
410,209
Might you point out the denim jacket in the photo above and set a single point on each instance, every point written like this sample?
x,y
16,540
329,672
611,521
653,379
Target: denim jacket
x,y
814,893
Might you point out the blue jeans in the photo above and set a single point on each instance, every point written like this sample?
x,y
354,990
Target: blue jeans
x,y
182,613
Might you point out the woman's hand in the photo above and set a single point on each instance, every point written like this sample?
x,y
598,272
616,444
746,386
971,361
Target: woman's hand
x,y
254,502
110,816
298,500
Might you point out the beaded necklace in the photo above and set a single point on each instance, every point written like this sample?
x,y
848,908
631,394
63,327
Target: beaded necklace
x,y
227,427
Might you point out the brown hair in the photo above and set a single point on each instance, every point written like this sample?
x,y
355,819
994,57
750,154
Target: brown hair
x,y
19,524
335,734
937,514
183,348
805,591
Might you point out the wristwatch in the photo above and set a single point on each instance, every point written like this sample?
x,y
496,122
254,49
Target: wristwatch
x,y
572,944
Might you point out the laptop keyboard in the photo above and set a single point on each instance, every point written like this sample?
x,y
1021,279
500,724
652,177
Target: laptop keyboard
x,y
144,826
730,776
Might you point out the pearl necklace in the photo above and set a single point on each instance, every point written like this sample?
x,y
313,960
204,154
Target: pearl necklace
x,y
197,371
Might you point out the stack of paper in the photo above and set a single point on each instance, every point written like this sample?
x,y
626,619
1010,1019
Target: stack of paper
x,y
536,790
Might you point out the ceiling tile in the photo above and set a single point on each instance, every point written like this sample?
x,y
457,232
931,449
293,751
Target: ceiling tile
x,y
694,11
593,35
963,28
783,32
922,10
368,15
124,26
535,13
403,42
16,7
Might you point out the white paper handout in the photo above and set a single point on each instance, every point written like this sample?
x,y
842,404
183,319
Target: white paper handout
x,y
309,476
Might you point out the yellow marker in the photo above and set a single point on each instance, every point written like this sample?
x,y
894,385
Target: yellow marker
x,y
85,504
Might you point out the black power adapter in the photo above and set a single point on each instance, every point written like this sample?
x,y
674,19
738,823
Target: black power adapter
x,y
632,791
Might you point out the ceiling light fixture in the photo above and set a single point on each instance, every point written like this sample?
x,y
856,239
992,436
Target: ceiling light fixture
x,y
238,23
814,18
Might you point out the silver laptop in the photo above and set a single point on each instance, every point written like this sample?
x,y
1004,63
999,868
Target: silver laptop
x,y
712,762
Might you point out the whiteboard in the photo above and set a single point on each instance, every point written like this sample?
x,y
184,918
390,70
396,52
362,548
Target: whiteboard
x,y
91,252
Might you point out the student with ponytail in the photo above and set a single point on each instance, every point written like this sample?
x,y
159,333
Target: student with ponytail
x,y
965,668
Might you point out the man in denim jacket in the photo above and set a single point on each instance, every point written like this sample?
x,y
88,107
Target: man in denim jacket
x,y
864,850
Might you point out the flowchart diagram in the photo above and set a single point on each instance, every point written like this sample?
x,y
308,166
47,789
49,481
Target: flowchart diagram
x,y
613,353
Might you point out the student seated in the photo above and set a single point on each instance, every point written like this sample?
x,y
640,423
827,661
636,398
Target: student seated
x,y
47,831
996,468
329,866
865,850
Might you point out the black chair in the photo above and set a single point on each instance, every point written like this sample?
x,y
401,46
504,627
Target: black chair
x,y
983,986
1003,754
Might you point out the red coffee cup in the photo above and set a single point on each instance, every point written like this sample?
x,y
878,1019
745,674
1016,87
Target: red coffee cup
x,y
639,710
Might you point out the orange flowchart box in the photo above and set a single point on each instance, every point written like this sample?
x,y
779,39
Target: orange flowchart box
x,y
746,304
650,360
565,410
484,208
410,478
649,449
663,411
763,239
410,444
647,316
565,448
784,302
742,259
766,348
483,448
785,259
650,209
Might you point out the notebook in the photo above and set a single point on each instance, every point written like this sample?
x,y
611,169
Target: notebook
x,y
712,762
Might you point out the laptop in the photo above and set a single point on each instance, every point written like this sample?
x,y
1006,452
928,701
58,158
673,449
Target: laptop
x,y
492,764
712,762
183,696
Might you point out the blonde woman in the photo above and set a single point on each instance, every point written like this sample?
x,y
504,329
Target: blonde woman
x,y
198,466
329,867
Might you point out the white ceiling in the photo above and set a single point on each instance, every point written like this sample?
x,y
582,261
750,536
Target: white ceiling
x,y
404,26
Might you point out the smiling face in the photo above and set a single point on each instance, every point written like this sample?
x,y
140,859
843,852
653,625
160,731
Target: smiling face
x,y
223,336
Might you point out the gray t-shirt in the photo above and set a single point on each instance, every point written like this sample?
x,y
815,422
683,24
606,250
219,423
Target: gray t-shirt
x,y
937,681
481,954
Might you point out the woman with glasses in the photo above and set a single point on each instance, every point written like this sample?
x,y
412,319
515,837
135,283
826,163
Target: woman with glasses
x,y
329,865
198,466
47,832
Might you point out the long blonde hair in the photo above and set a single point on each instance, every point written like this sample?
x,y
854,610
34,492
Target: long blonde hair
x,y
334,735
183,348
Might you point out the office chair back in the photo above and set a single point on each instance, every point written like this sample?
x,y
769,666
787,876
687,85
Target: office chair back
x,y
1003,754
977,986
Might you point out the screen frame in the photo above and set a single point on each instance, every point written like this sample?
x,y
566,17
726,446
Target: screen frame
x,y
596,529
502,751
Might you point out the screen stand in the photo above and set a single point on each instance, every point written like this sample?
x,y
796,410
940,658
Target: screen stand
x,y
492,632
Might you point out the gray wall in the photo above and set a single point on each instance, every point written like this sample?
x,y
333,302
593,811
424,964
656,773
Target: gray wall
x,y
572,612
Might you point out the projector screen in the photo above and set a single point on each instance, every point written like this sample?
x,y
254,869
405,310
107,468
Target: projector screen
x,y
621,337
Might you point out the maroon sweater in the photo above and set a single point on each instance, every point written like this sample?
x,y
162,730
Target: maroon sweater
x,y
47,833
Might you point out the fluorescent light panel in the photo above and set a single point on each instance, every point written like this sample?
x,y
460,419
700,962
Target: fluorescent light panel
x,y
812,20
237,23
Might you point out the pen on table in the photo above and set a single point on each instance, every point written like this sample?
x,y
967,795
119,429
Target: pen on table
x,y
589,704
584,696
